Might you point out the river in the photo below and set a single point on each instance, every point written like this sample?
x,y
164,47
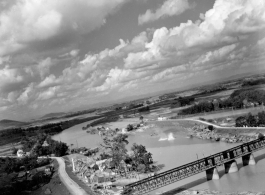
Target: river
x,y
171,150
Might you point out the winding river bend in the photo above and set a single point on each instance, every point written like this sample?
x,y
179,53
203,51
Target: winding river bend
x,y
172,150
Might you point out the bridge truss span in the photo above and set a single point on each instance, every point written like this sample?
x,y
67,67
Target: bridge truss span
x,y
205,164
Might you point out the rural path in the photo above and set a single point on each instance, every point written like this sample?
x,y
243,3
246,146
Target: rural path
x,y
73,187
228,113
214,125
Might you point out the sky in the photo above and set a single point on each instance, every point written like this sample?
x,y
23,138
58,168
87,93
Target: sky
x,y
63,55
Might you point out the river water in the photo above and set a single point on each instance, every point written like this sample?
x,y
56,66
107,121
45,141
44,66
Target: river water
x,y
171,150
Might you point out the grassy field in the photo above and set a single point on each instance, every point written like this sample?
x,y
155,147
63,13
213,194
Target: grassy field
x,y
6,150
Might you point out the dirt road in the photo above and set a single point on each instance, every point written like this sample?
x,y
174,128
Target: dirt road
x,y
73,187
228,113
217,126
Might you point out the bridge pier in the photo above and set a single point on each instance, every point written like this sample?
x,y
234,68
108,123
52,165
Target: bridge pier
x,y
231,167
248,159
212,174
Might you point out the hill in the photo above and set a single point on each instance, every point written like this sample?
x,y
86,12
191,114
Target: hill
x,y
51,115
5,123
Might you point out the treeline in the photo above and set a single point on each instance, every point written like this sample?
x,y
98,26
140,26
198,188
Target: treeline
x,y
131,106
52,128
204,106
253,82
212,90
251,120
238,99
144,109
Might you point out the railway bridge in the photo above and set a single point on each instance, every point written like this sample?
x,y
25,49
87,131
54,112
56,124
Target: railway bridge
x,y
208,164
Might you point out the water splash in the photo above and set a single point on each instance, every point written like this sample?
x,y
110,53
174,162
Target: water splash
x,y
170,137
162,139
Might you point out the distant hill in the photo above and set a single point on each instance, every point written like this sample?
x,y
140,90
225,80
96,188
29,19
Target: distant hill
x,y
51,115
5,123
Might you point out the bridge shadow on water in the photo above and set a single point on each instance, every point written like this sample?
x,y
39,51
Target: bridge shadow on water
x,y
202,180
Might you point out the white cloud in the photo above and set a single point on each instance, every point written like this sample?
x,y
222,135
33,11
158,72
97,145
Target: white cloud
x,y
72,53
168,8
26,94
48,81
8,77
44,67
27,21
48,94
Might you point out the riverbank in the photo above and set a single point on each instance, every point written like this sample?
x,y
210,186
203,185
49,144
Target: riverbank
x,y
208,131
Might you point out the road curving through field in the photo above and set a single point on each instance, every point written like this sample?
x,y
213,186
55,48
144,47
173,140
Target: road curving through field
x,y
73,187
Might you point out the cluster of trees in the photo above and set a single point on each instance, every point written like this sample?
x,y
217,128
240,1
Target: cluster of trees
x,y
141,159
238,97
116,147
131,127
131,106
183,101
54,147
34,145
204,106
144,109
252,82
251,120
10,165
9,168
236,100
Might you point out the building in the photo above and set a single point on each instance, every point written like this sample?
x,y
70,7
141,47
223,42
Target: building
x,y
20,153
160,118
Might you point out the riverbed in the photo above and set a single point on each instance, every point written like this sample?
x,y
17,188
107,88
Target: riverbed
x,y
171,148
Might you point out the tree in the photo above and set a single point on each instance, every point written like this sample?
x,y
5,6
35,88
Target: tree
x,y
121,138
129,127
14,150
251,120
241,121
210,127
116,148
261,118
141,156
141,119
118,153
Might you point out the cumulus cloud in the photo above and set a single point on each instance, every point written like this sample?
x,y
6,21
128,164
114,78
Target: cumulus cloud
x,y
9,78
29,21
72,53
168,8
44,67
48,93
26,94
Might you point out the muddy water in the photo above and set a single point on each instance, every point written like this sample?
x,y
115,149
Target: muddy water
x,y
171,150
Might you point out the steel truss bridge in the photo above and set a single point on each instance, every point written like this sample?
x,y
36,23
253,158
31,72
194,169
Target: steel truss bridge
x,y
205,164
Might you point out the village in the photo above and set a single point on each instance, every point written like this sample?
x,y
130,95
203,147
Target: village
x,y
110,166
